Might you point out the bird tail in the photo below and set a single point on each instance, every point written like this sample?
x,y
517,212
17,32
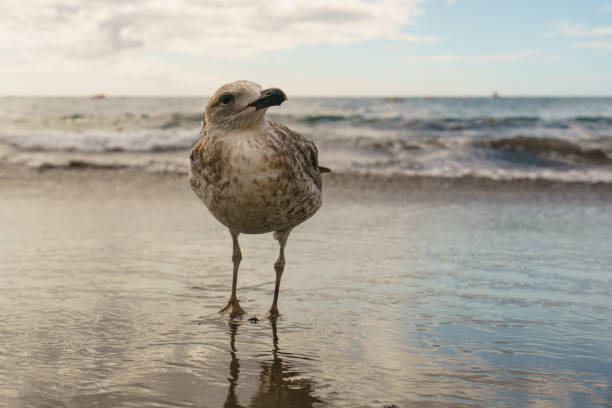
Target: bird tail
x,y
324,169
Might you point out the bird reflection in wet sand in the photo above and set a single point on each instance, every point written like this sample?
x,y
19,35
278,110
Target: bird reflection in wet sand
x,y
277,385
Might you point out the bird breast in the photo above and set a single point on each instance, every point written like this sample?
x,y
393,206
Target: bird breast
x,y
250,186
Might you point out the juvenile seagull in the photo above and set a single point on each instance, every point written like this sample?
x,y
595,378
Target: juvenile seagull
x,y
254,175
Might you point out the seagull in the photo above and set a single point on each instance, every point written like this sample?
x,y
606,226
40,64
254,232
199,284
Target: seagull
x,y
254,175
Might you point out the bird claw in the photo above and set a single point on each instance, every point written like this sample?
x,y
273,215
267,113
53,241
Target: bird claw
x,y
234,309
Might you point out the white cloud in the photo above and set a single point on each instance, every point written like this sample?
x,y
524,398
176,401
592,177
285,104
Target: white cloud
x,y
219,29
127,74
449,58
594,44
152,46
579,30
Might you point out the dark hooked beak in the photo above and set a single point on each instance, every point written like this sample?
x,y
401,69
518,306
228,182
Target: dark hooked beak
x,y
269,97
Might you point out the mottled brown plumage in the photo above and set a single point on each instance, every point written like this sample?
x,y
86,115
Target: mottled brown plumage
x,y
254,175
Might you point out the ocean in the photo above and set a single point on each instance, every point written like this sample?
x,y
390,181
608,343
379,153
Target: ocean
x,y
562,139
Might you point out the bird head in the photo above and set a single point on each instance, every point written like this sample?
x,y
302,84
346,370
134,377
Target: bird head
x,y
240,105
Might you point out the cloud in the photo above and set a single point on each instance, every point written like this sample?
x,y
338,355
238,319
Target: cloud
x,y
594,44
607,7
450,58
218,29
579,30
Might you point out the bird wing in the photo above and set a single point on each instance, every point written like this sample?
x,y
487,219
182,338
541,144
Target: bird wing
x,y
206,162
199,148
197,151
305,151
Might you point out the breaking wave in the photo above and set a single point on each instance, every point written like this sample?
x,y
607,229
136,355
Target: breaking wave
x,y
99,140
548,147
568,139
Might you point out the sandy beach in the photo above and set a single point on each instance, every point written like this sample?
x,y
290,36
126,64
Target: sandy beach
x,y
406,291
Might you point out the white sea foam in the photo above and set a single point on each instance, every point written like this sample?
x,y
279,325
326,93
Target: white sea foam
x,y
101,140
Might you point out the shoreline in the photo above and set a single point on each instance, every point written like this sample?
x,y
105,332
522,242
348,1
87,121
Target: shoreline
x,y
345,184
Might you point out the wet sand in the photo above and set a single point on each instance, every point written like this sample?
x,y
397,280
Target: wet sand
x,y
414,292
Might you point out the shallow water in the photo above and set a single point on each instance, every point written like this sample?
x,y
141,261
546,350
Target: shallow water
x,y
109,293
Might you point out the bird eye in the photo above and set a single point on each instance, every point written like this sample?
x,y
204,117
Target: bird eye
x,y
226,98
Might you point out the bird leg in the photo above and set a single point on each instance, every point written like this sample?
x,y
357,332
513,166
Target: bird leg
x,y
233,306
279,266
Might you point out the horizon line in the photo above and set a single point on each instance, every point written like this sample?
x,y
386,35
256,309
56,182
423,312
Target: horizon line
x,y
399,96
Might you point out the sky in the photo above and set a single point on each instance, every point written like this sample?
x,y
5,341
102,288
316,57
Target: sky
x,y
309,48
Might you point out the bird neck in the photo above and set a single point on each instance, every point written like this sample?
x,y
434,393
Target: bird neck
x,y
247,129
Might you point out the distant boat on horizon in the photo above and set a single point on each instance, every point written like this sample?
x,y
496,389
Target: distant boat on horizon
x,y
495,95
98,96
394,99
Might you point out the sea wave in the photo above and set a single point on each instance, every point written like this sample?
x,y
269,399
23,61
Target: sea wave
x,y
101,140
513,156
445,123
377,121
548,147
178,119
400,122
381,121
592,151
477,178
604,120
